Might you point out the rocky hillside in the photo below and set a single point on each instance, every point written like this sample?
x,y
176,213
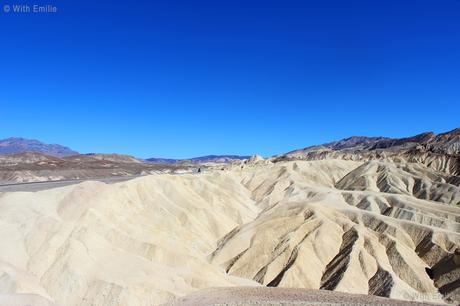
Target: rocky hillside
x,y
440,152
37,167
445,143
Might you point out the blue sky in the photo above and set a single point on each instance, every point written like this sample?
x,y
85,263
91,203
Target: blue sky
x,y
188,78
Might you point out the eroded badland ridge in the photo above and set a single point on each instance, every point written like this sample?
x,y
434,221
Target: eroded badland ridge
x,y
373,216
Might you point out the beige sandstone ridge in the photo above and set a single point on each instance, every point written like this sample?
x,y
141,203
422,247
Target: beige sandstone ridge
x,y
377,227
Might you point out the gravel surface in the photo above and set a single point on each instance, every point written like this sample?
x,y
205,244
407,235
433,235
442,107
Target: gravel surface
x,y
249,296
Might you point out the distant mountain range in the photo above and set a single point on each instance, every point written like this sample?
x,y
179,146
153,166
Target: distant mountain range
x,y
20,145
444,143
354,147
24,160
16,145
440,152
199,160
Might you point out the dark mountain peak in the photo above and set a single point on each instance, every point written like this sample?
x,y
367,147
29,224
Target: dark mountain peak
x,y
423,137
448,135
445,143
19,140
353,141
21,145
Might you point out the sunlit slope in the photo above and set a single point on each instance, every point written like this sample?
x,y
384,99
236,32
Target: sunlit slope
x,y
136,243
378,227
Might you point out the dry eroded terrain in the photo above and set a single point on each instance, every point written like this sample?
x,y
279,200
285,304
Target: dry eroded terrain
x,y
369,227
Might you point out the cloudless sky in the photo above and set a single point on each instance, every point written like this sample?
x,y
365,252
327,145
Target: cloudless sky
x,y
188,78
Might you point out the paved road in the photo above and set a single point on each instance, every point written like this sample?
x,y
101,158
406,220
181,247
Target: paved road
x,y
38,186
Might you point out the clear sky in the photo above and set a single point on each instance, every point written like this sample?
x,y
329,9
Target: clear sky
x,y
188,78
